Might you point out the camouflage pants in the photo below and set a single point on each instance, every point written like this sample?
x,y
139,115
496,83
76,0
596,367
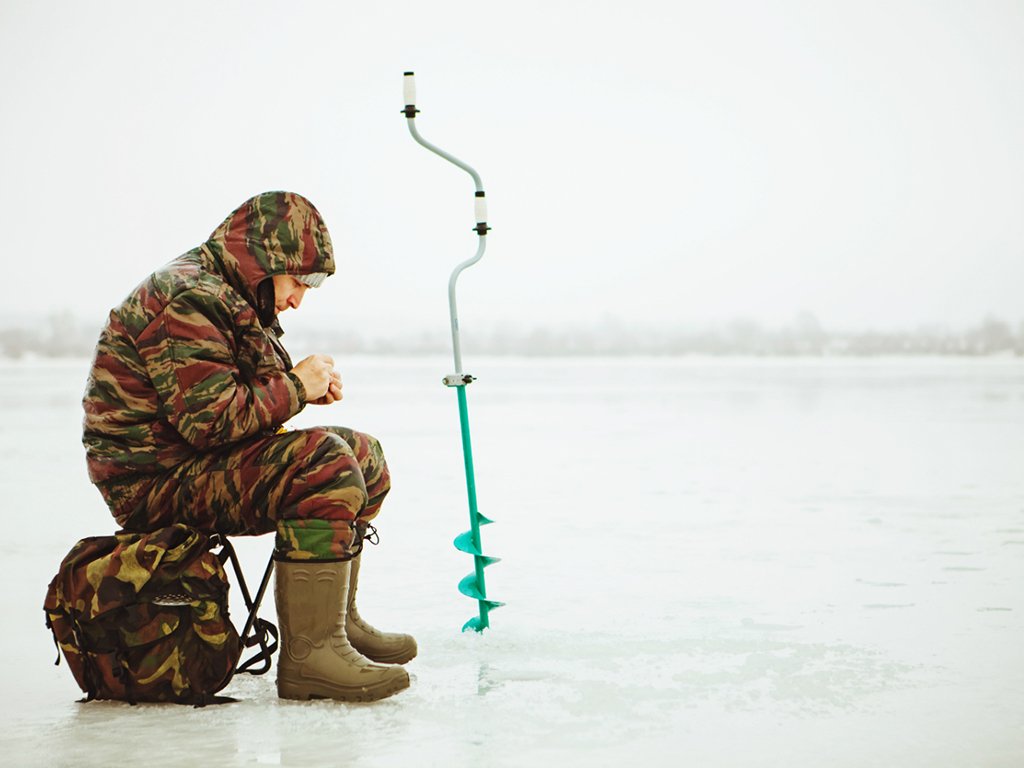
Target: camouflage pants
x,y
318,488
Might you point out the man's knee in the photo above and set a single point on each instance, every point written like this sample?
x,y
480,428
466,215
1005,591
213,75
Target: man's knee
x,y
321,446
328,474
366,447
371,460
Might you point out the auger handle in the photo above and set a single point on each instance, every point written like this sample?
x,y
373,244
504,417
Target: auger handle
x,y
479,210
409,86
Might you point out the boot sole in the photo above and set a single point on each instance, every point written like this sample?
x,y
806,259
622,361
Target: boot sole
x,y
307,690
398,658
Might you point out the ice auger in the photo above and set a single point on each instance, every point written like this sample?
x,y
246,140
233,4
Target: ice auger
x,y
472,585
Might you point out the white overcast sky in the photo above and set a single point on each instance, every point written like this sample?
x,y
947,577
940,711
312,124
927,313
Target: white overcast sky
x,y
660,163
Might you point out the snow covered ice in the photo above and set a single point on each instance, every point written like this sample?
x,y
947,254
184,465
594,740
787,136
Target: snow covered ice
x,y
706,562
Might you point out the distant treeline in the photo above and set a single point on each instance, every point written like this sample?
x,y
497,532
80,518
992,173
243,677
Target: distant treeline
x,y
62,335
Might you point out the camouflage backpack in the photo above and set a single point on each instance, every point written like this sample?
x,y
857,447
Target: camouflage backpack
x,y
144,616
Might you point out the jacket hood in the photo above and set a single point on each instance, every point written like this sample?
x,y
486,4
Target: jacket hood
x,y
272,233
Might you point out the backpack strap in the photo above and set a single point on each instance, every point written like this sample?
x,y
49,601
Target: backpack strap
x,y
49,626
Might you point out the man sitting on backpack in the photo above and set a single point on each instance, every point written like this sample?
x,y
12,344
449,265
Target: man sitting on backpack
x,y
183,412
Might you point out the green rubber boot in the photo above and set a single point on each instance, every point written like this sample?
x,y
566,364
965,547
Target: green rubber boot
x,y
317,661
385,647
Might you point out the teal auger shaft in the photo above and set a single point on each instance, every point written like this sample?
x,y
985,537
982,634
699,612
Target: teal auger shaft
x,y
473,585
479,560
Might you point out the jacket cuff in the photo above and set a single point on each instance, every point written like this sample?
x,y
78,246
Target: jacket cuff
x,y
300,389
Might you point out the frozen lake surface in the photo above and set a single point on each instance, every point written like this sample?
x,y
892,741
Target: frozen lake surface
x,y
706,562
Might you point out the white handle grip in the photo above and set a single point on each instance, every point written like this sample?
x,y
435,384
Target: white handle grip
x,y
410,88
481,209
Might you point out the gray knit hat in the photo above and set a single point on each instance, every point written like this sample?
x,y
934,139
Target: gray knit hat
x,y
314,280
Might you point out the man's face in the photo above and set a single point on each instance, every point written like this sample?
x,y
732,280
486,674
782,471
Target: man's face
x,y
288,293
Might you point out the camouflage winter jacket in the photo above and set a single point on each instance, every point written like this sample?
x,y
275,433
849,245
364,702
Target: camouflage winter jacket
x,y
190,361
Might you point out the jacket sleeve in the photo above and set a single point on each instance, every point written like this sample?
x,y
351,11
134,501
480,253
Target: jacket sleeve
x,y
190,355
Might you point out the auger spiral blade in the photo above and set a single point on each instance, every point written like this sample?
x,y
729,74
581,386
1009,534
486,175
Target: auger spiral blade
x,y
470,587
464,541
